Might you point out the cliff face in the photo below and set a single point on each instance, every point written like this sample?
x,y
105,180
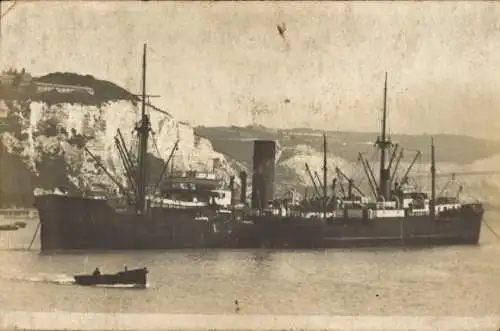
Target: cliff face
x,y
42,138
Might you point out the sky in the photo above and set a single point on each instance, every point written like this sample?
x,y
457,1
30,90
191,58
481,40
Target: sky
x,y
225,63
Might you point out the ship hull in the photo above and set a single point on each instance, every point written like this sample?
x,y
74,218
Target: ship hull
x,y
73,223
460,227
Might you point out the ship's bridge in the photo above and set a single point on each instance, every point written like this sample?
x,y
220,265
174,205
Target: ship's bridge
x,y
194,185
192,181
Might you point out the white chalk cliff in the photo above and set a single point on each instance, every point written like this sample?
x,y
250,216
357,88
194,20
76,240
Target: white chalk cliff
x,y
49,132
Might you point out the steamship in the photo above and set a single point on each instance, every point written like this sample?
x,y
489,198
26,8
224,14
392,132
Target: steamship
x,y
186,210
393,214
192,211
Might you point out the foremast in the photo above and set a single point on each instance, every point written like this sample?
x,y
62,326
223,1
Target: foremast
x,y
136,172
143,129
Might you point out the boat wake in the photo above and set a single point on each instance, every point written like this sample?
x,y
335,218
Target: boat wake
x,y
123,286
63,279
60,279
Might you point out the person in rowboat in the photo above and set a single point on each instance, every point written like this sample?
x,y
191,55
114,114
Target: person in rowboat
x,y
96,272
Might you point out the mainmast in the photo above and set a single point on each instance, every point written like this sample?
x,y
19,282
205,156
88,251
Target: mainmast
x,y
143,128
325,173
384,143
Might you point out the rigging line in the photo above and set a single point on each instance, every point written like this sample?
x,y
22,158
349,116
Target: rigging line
x,y
357,173
34,235
362,177
153,136
353,171
491,229
373,159
164,112
8,10
2,15
133,146
417,169
366,158
444,188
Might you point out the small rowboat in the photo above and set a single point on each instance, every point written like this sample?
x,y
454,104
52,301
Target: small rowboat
x,y
127,277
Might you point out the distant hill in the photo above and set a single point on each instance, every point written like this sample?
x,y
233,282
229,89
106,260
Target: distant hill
x,y
237,142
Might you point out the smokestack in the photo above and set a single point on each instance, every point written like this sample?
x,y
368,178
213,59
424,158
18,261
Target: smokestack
x,y
264,154
231,186
243,194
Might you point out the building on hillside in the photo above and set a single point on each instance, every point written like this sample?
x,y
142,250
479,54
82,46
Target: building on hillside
x,y
293,133
23,80
12,77
47,87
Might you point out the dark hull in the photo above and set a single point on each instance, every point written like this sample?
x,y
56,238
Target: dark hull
x,y
131,277
72,223
461,227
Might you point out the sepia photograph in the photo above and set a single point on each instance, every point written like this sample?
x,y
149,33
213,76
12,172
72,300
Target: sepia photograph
x,y
250,165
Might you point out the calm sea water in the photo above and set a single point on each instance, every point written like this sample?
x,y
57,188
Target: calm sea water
x,y
438,281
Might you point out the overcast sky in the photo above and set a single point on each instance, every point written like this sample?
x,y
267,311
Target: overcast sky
x,y
225,63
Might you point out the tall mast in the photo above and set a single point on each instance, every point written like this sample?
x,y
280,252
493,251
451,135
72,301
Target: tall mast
x,y
433,180
325,172
143,129
384,143
143,112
